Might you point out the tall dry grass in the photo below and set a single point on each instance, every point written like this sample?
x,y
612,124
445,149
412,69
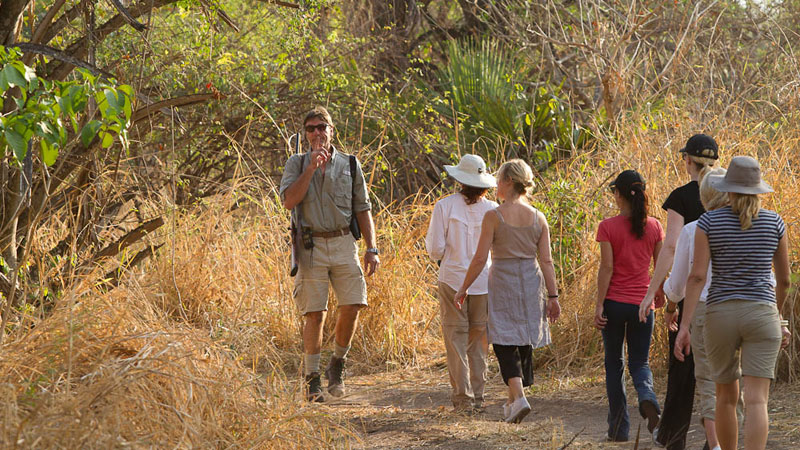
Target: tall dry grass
x,y
188,353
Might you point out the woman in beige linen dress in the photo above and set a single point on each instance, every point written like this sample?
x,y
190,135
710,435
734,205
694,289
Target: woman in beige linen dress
x,y
519,238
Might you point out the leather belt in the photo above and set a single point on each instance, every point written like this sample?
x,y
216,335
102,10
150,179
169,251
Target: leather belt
x,y
330,234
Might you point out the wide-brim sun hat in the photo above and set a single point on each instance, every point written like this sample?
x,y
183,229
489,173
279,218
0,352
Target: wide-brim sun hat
x,y
743,177
471,171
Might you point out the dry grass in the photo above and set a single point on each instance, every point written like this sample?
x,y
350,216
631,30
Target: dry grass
x,y
142,366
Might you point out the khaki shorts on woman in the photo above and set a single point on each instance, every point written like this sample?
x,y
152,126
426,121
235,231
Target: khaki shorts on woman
x,y
743,330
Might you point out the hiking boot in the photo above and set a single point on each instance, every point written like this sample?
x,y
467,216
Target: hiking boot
x,y
335,375
314,388
649,411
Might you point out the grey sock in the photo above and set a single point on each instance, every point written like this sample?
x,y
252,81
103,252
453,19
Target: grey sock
x,y
339,351
311,363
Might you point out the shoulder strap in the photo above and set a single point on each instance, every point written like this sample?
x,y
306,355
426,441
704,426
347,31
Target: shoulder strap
x,y
353,173
499,216
354,228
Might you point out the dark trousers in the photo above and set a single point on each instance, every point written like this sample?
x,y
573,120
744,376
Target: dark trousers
x,y
624,326
677,415
515,361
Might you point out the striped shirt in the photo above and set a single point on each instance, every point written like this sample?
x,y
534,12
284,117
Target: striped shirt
x,y
741,260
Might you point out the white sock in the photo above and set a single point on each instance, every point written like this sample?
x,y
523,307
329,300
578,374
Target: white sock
x,y
311,363
339,351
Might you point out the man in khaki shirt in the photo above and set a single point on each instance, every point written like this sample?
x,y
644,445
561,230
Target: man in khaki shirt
x,y
319,182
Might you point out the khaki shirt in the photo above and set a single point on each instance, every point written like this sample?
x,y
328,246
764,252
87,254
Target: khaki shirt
x,y
329,201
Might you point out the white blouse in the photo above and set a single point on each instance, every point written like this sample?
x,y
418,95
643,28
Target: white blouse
x,y
675,285
453,236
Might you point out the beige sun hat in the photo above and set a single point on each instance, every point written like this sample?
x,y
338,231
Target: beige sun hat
x,y
471,171
743,177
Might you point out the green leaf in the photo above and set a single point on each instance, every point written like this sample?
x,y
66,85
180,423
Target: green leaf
x,y
66,105
78,98
14,77
17,143
102,103
128,106
111,98
89,131
108,139
49,152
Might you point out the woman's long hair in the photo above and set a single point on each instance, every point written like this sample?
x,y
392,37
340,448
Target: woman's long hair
x,y
637,197
702,164
519,172
747,207
631,186
711,198
472,194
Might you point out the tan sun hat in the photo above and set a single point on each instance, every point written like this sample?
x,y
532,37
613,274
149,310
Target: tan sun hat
x,y
743,177
471,171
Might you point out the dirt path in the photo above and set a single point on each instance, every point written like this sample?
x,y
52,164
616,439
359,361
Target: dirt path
x,y
411,409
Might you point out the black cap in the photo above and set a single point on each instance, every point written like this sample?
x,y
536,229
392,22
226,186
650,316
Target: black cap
x,y
701,145
626,179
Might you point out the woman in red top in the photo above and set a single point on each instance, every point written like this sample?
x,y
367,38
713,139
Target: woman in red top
x,y
628,242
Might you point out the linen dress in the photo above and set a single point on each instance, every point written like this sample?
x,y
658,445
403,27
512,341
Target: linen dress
x,y
516,287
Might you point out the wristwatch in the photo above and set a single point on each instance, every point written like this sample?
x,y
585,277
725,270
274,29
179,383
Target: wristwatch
x,y
373,250
673,309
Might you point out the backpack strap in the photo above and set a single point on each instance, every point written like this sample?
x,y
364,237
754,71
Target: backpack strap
x,y
354,229
353,176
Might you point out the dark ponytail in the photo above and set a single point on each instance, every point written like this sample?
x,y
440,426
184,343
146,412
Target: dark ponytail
x,y
631,187
639,204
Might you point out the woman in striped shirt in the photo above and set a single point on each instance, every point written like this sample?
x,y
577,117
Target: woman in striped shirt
x,y
744,243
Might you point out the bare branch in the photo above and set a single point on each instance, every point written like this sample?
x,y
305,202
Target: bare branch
x,y
164,105
127,240
281,3
138,26
40,49
38,34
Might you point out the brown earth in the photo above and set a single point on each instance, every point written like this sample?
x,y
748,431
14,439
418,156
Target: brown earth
x,y
412,409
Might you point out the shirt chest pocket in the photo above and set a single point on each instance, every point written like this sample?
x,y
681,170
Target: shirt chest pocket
x,y
343,191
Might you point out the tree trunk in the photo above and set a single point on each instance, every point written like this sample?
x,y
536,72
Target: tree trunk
x,y
10,12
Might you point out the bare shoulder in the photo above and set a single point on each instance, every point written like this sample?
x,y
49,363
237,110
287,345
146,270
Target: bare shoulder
x,y
490,217
536,215
541,218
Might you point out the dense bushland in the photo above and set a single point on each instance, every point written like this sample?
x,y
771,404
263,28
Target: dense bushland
x,y
151,302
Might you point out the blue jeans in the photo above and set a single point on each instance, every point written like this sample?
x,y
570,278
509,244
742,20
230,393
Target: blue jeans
x,y
624,325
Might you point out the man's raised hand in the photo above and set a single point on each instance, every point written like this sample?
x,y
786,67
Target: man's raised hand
x,y
318,158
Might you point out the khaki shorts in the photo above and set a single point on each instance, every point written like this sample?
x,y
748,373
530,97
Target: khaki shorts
x,y
746,330
332,261
706,388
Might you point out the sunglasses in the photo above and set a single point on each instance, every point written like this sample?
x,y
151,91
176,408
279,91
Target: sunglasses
x,y
321,127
